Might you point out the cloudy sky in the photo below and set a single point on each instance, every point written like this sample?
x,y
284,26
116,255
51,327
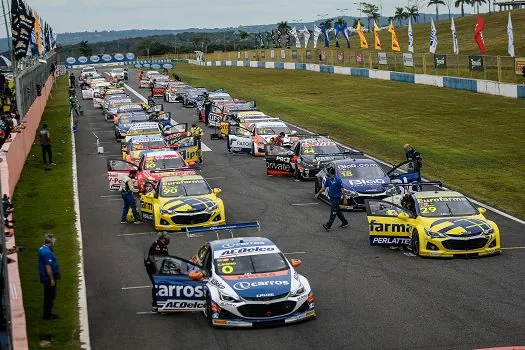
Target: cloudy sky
x,y
89,15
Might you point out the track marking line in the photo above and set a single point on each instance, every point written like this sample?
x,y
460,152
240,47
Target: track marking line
x,y
214,178
497,211
146,312
137,287
512,248
135,234
204,148
290,253
113,199
110,195
304,204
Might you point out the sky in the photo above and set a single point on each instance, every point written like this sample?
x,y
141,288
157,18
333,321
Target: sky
x,y
90,15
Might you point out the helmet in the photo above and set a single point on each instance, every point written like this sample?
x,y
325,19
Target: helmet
x,y
194,124
282,134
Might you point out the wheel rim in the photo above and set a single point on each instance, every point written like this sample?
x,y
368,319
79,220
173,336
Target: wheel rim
x,y
415,243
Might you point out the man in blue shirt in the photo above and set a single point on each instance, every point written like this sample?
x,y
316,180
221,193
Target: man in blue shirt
x,y
49,274
334,184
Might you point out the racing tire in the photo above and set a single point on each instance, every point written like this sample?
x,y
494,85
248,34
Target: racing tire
x,y
208,310
253,149
414,243
154,221
298,175
316,187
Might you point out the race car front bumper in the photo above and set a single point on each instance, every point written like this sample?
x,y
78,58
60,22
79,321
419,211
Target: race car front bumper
x,y
454,248
223,318
173,222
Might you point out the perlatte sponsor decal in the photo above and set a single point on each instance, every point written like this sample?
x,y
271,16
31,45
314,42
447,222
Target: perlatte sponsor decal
x,y
390,240
247,285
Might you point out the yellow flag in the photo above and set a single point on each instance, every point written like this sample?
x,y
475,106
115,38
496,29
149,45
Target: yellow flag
x,y
395,42
362,38
377,42
37,33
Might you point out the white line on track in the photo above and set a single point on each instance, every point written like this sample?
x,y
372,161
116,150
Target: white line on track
x,y
215,178
110,195
113,199
291,253
512,248
82,297
137,287
136,234
142,98
145,312
497,211
304,204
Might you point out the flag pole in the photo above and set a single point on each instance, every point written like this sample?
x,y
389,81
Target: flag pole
x,y
9,37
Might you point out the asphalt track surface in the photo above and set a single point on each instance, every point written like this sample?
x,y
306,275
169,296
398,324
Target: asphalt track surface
x,y
366,297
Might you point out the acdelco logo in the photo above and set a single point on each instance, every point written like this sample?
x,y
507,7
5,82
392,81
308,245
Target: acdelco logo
x,y
247,250
180,291
248,285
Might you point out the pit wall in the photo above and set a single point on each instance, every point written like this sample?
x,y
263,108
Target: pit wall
x,y
473,85
13,161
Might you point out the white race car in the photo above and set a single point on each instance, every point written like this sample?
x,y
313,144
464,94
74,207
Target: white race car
x,y
238,282
146,78
89,93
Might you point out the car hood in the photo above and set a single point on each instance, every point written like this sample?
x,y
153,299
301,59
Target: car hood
x,y
460,226
366,185
157,174
124,127
319,159
193,204
260,285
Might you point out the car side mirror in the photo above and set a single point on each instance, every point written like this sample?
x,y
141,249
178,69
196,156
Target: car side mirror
x,y
295,263
196,275
216,191
403,216
482,210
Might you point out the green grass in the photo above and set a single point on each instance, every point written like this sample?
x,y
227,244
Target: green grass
x,y
43,203
473,143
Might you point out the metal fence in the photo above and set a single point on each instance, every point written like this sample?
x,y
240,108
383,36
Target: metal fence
x,y
497,68
29,81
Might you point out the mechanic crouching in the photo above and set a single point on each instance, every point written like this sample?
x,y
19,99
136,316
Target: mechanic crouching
x,y
158,248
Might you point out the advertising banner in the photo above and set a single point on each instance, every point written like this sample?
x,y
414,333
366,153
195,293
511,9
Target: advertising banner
x,y
440,61
308,54
519,63
408,60
382,59
117,58
294,54
476,63
340,55
359,57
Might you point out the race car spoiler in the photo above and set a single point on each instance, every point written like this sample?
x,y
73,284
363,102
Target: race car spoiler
x,y
194,231
341,154
417,184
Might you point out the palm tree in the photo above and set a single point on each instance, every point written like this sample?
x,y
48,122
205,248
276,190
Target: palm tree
x,y
449,3
371,11
282,26
400,14
437,3
477,3
462,3
413,12
243,35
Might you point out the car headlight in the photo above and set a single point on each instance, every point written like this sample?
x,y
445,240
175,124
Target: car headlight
x,y
213,207
229,298
298,291
433,234
489,231
166,211
391,191
350,193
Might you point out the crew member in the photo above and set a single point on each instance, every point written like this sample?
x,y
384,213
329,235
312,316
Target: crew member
x,y
159,247
127,188
49,275
197,132
412,154
207,109
140,75
152,86
334,184
72,83
279,139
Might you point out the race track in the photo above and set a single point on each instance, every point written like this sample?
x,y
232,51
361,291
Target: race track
x,y
366,297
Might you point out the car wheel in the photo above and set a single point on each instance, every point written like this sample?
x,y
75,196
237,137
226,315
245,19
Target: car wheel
x,y
316,187
253,149
298,175
154,221
414,243
208,310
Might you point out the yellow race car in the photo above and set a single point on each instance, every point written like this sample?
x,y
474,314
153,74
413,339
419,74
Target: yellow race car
x,y
432,223
184,201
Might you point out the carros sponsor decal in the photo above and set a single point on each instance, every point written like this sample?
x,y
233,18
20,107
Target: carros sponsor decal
x,y
244,285
382,227
179,291
246,251
388,241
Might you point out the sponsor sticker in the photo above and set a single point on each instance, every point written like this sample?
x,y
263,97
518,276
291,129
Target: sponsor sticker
x,y
244,285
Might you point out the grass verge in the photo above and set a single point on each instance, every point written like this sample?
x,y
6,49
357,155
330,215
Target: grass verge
x,y
43,203
473,143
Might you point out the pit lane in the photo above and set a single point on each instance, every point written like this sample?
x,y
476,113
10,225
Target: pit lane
x,y
366,297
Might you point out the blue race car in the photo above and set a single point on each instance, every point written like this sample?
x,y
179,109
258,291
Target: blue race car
x,y
238,282
364,179
126,119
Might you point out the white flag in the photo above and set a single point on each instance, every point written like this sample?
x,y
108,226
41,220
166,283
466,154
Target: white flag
x,y
306,36
410,37
293,32
317,32
454,37
510,32
433,37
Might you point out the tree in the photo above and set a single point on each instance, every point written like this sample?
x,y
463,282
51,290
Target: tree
x,y
85,49
462,3
400,14
437,3
449,4
243,35
282,26
354,25
413,12
477,3
371,11
144,46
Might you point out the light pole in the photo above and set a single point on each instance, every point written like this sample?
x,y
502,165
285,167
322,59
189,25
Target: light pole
x,y
342,11
322,17
360,4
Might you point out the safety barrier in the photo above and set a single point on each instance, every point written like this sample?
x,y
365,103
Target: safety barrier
x,y
13,160
488,87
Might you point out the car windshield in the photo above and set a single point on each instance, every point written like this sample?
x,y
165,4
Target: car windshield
x,y
183,188
89,70
117,70
360,171
128,119
143,129
163,163
272,130
130,108
321,147
141,145
250,264
445,206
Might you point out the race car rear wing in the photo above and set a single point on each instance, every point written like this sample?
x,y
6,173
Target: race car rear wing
x,y
192,232
416,186
345,154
